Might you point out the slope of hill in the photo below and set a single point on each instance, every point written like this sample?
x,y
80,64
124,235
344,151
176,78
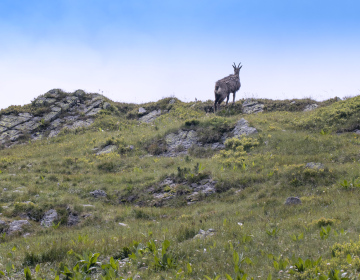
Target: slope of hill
x,y
170,190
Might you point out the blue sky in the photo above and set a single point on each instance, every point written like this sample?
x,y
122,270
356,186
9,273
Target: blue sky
x,y
138,51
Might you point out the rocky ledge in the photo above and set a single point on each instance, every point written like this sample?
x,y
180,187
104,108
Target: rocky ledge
x,y
49,114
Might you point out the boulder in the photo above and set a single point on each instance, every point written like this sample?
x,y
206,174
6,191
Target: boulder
x,y
142,110
49,218
292,201
315,165
73,219
17,225
98,193
107,150
150,117
203,234
251,107
179,143
310,107
242,128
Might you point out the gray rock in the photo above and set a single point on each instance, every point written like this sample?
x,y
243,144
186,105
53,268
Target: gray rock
x,y
56,109
49,218
95,103
142,110
28,126
53,93
10,121
51,116
106,105
315,165
80,123
184,139
292,201
98,193
150,117
53,133
172,101
357,131
79,93
251,107
93,112
203,234
310,107
107,150
17,225
2,129
73,219
242,128
123,225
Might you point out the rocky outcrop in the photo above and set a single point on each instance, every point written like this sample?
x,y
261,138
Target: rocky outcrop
x,y
54,111
107,150
49,218
315,165
98,193
149,118
169,189
242,128
204,233
310,107
16,226
292,201
178,143
251,107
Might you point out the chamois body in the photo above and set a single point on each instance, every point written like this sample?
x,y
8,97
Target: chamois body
x,y
227,85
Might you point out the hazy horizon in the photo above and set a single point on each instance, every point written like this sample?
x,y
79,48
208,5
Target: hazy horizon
x,y
141,51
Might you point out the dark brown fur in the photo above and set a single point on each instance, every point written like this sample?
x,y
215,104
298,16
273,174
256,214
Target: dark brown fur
x,y
227,85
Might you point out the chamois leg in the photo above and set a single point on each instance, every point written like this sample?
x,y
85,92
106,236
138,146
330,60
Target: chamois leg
x,y
217,97
234,97
227,99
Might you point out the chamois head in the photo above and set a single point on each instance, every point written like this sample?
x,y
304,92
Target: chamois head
x,y
237,69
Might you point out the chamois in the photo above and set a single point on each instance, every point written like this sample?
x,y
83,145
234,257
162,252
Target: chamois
x,y
227,85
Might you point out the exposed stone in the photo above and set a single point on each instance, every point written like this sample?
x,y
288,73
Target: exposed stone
x,y
73,219
179,143
242,128
142,110
51,116
93,112
10,121
172,101
123,225
251,107
67,106
203,234
2,129
310,107
98,193
28,126
106,105
80,123
292,201
315,165
49,218
17,225
107,150
53,93
150,117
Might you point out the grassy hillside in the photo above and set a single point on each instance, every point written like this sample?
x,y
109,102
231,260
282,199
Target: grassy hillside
x,y
254,234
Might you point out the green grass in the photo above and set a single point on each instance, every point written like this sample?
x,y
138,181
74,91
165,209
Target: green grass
x,y
59,173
